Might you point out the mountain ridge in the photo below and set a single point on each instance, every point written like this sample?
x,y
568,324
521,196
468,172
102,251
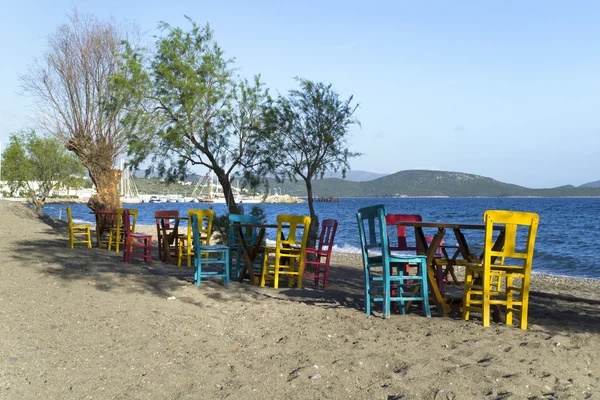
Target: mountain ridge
x,y
423,183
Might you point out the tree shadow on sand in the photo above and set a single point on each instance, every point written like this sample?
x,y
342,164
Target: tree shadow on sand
x,y
106,272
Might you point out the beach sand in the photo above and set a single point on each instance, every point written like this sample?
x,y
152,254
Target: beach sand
x,y
80,324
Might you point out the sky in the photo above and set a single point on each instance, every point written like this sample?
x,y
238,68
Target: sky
x,y
504,89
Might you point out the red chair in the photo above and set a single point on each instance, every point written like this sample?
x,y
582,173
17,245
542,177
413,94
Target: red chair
x,y
318,259
400,244
164,217
133,240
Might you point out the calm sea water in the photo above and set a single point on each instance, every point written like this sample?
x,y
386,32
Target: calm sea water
x,y
567,244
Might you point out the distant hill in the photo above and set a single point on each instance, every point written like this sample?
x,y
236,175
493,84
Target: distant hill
x,y
428,183
414,183
595,184
355,175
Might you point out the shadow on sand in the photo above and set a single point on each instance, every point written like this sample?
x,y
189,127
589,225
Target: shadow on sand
x,y
105,270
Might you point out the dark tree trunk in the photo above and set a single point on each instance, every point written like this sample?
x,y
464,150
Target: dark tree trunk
x,y
313,232
225,182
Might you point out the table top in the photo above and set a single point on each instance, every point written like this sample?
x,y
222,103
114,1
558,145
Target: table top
x,y
445,225
247,225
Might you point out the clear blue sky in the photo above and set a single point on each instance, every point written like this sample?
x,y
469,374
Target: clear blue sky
x,y
504,89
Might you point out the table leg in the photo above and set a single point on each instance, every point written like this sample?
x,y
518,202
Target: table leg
x,y
249,254
429,250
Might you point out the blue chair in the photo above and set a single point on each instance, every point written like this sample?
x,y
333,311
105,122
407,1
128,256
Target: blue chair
x,y
234,242
205,255
379,281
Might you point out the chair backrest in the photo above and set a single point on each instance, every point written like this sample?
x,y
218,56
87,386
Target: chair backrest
x,y
70,217
205,220
106,218
249,233
164,214
373,236
126,222
520,230
134,214
328,230
119,218
401,243
195,233
294,224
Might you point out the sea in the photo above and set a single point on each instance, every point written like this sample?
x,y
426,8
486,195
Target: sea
x,y
567,243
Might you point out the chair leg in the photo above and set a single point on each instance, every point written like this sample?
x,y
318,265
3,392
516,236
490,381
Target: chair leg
x,y
367,292
509,300
226,265
424,287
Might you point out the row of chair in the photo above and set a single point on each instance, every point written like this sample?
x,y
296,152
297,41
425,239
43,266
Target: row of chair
x,y
288,257
501,278
121,233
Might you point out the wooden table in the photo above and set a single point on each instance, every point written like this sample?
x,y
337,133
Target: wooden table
x,y
105,220
250,252
435,258
169,238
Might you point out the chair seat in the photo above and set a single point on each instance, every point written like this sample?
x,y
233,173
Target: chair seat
x,y
207,255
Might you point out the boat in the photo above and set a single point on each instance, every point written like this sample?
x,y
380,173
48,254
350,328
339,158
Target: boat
x,y
154,199
175,198
127,188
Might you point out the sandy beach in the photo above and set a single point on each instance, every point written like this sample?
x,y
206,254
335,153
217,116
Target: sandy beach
x,y
80,324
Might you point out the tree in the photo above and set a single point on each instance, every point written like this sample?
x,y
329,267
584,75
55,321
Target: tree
x,y
76,102
309,130
193,110
39,165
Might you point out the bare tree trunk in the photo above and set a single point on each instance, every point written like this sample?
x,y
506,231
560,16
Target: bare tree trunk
x,y
106,182
227,190
313,232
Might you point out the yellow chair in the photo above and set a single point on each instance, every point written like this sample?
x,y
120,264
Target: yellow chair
x,y
117,233
205,220
78,230
502,279
287,258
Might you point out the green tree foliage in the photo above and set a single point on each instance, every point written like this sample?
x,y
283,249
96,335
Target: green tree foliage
x,y
192,110
309,132
39,165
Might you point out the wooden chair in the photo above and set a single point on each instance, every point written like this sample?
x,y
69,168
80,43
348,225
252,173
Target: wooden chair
x,y
81,230
165,217
205,256
116,234
205,219
401,244
234,241
287,258
379,279
316,262
502,279
135,240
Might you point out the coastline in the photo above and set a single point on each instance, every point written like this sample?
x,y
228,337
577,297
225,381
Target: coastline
x,y
79,323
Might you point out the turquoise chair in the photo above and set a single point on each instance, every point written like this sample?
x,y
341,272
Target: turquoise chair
x,y
235,246
204,256
380,284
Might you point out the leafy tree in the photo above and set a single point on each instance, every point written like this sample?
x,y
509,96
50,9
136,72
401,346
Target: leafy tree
x,y
39,165
309,130
190,109
75,101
